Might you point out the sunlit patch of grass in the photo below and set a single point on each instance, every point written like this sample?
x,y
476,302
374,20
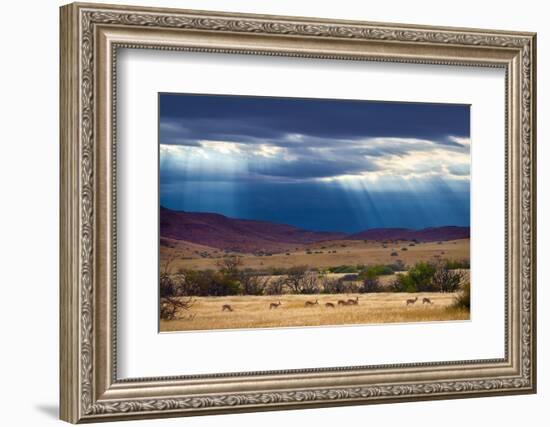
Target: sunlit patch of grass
x,y
254,311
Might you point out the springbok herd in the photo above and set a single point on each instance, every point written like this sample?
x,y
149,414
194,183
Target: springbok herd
x,y
341,302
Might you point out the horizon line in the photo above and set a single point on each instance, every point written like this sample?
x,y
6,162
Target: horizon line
x,y
315,231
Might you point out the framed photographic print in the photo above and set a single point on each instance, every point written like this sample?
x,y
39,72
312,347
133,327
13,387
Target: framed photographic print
x,y
308,212
265,212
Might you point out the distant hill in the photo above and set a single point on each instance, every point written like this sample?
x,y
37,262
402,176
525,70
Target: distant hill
x,y
242,235
431,234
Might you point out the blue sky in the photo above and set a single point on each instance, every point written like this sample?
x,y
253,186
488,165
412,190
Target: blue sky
x,y
319,164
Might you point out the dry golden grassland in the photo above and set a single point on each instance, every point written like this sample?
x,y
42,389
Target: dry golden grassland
x,y
254,311
322,254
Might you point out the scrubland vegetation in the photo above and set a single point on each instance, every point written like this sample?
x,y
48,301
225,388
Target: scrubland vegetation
x,y
233,296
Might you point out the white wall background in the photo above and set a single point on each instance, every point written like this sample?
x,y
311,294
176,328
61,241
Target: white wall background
x,y
29,170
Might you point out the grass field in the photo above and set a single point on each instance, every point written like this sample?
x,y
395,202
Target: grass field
x,y
254,311
323,254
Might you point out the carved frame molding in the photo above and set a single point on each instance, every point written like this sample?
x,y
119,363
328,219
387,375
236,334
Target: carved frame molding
x,y
90,37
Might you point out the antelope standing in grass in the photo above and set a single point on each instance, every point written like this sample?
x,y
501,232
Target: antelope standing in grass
x,y
353,301
227,307
342,302
274,305
412,301
329,305
311,303
426,301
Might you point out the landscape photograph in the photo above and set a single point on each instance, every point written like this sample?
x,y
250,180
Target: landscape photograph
x,y
303,212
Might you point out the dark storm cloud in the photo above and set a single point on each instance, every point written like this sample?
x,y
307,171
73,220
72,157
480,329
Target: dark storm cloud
x,y
245,119
320,138
177,132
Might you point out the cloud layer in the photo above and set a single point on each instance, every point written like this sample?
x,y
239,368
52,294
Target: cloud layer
x,y
357,148
299,157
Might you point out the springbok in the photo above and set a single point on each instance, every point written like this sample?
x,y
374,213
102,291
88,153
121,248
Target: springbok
x,y
274,305
426,301
412,301
353,301
311,303
342,302
329,305
227,307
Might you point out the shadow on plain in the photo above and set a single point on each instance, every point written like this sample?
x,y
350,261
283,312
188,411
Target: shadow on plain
x,y
49,410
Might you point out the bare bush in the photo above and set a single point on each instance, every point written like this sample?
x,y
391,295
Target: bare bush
x,y
310,283
253,284
300,280
171,306
447,280
171,299
371,284
275,286
230,265
294,278
336,286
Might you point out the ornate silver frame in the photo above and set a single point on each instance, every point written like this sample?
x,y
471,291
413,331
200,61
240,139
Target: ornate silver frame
x,y
90,36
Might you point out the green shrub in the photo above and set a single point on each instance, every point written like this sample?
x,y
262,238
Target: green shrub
x,y
421,275
458,264
378,270
428,277
417,279
403,283
228,285
343,269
